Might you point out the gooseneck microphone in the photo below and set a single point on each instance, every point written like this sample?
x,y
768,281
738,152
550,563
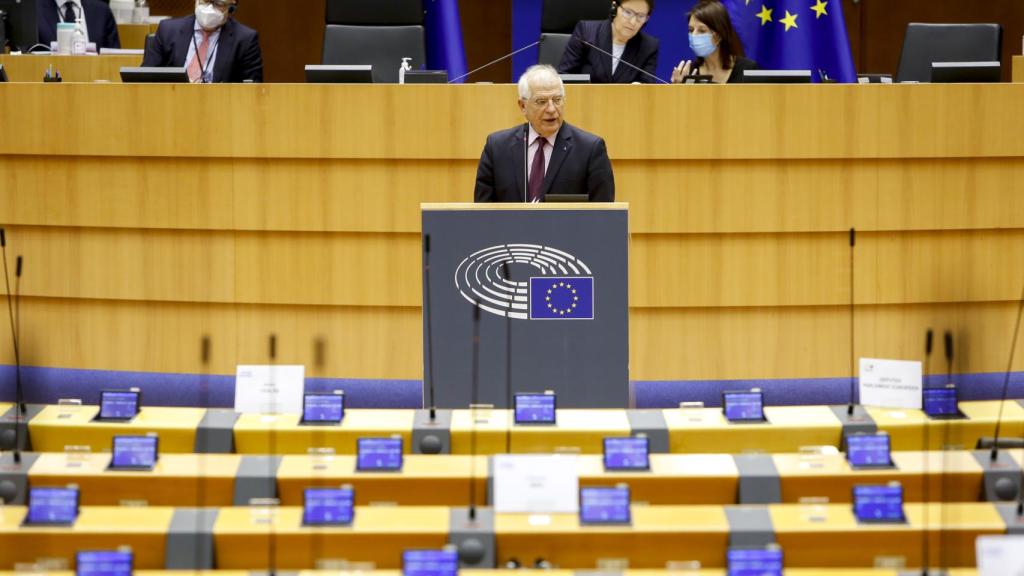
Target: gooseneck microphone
x,y
426,317
508,362
19,401
947,337
853,356
474,402
621,61
925,488
495,61
994,455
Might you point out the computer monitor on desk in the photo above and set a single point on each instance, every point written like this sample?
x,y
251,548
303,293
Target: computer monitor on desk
x,y
19,24
154,74
950,72
777,76
339,74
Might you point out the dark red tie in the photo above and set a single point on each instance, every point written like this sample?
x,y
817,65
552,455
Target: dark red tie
x,y
537,171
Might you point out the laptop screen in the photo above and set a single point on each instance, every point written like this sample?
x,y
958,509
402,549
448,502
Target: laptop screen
x,y
103,563
134,452
327,506
379,454
535,408
868,450
741,406
754,561
430,562
52,506
878,503
940,401
323,407
118,405
626,453
604,505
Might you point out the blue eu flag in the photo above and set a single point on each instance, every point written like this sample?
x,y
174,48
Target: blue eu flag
x,y
444,37
795,35
554,298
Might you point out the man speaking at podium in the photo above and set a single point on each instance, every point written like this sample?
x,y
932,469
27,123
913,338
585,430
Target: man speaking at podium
x,y
560,158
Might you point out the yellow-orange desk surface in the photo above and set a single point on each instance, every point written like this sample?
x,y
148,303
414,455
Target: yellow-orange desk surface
x,y
809,533
58,426
439,480
574,430
496,572
254,538
97,527
176,480
907,427
282,433
672,479
32,67
787,429
954,476
1018,69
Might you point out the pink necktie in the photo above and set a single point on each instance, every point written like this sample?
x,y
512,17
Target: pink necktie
x,y
537,171
195,69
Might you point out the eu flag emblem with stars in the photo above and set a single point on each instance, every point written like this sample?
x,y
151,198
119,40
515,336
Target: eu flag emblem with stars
x,y
554,298
795,35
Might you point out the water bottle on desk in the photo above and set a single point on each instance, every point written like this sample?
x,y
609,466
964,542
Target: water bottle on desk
x,y
79,41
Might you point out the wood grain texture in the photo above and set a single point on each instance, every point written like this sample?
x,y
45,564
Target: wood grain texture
x,y
106,68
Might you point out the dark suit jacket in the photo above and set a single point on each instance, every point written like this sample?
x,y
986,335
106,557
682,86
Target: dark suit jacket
x,y
579,165
238,49
99,20
578,58
738,66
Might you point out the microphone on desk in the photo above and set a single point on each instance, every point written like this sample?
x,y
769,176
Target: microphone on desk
x,y
947,337
19,401
427,319
926,485
994,455
475,392
495,61
853,357
621,61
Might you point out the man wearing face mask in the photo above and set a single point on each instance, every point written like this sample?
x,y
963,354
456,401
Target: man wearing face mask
x,y
210,44
715,43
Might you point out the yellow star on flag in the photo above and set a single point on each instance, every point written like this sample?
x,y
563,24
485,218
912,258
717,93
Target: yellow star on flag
x,y
789,21
765,14
820,9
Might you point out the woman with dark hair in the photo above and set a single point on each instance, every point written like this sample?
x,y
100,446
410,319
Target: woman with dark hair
x,y
716,44
620,40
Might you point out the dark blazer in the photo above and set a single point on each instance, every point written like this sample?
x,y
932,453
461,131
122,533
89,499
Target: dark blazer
x,y
579,165
578,58
238,49
99,22
736,75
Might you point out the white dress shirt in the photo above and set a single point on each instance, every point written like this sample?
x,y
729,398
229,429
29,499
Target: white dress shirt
x,y
211,51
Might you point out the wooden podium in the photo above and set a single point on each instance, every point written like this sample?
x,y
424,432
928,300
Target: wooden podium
x,y
560,321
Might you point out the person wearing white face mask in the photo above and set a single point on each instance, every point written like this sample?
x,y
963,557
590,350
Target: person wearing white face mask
x,y
715,43
210,44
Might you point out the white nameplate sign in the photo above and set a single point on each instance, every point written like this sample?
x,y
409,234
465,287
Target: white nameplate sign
x,y
536,483
262,389
1000,555
890,383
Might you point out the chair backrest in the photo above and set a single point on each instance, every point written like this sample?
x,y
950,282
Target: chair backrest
x,y
383,47
561,16
375,12
551,48
927,43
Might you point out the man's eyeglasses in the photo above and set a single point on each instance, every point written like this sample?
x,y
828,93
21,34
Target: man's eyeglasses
x,y
543,102
634,16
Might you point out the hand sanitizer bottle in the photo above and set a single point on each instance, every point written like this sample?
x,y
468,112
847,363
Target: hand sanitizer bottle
x,y
401,70
79,40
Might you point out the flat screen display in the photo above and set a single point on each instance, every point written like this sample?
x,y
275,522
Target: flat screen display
x,y
868,450
52,506
535,408
327,506
322,408
134,452
430,562
940,401
743,406
103,563
118,404
604,505
626,454
878,503
754,561
382,454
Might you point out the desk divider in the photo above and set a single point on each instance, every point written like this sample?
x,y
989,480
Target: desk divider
x,y
1002,477
432,437
475,539
7,426
749,526
14,478
190,539
860,422
759,481
216,432
256,478
652,424
1014,523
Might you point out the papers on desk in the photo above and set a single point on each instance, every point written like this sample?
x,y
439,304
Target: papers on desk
x,y
121,51
262,389
1000,555
536,483
890,383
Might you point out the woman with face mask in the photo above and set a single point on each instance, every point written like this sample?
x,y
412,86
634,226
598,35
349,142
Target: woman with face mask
x,y
618,52
715,43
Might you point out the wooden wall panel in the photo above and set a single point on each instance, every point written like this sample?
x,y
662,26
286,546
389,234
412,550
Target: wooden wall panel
x,y
701,196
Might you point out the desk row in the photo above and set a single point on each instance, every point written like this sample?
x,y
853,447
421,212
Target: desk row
x,y
256,538
450,480
686,430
